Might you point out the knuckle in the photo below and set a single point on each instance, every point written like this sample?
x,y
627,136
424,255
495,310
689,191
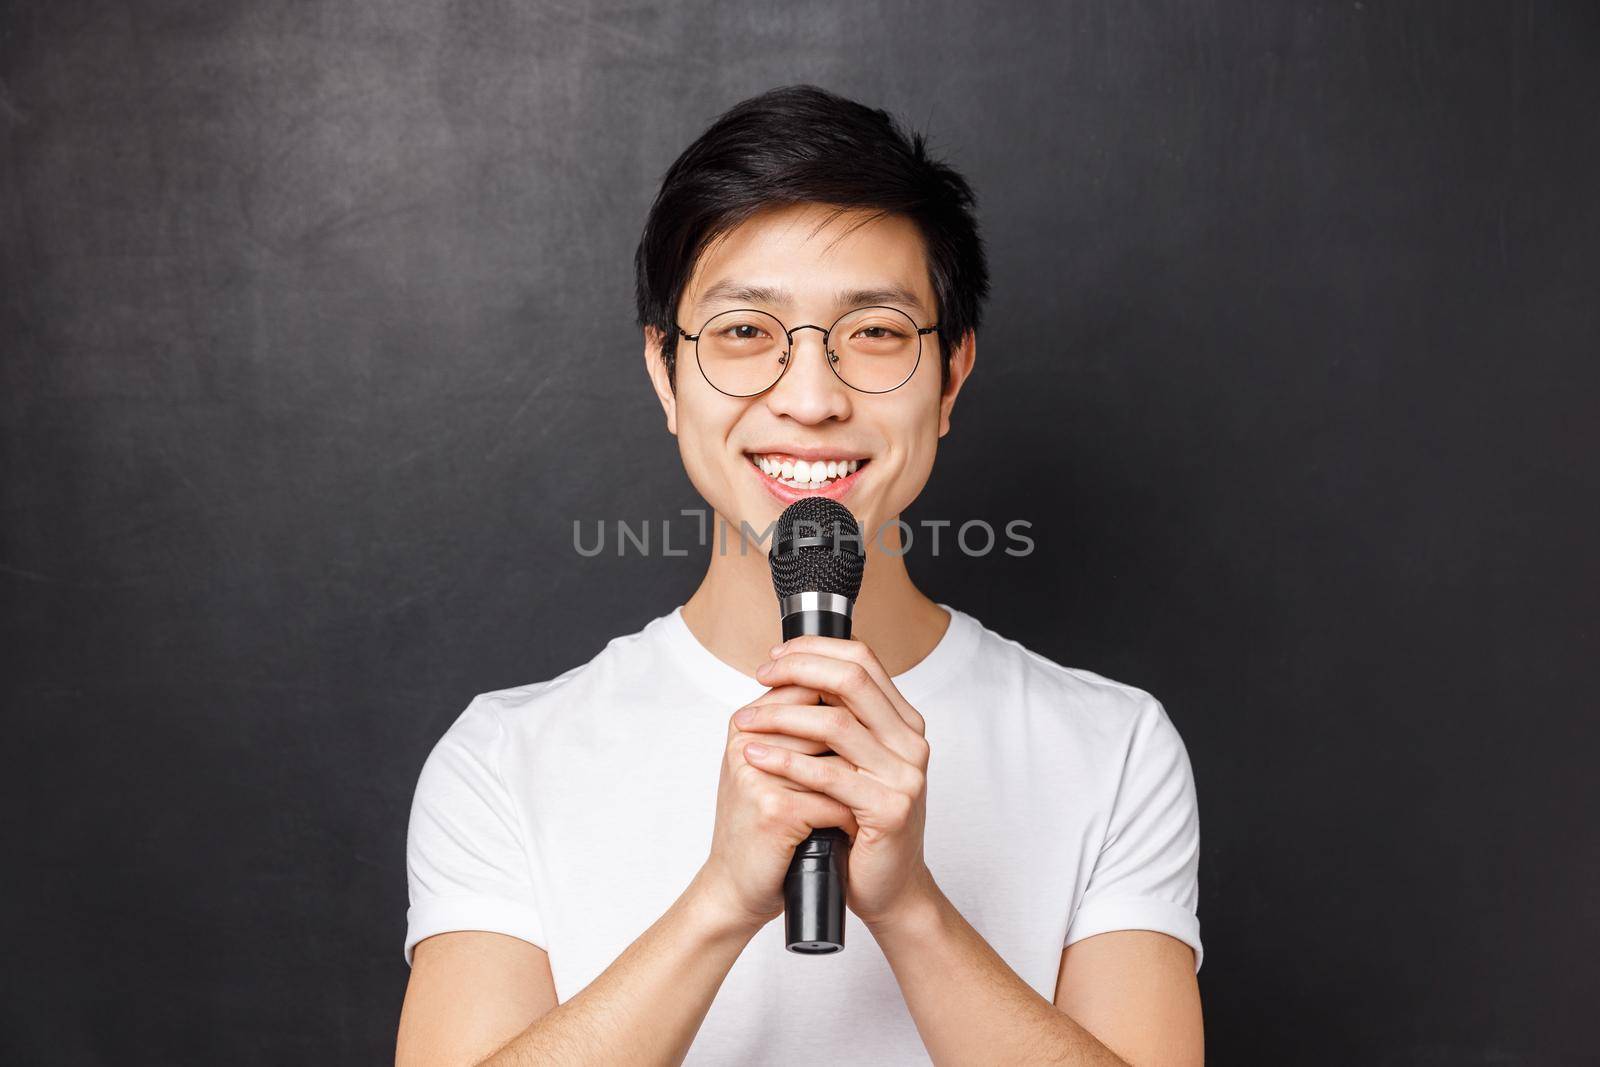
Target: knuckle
x,y
855,652
772,807
837,720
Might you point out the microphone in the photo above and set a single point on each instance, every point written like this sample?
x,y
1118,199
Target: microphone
x,y
817,558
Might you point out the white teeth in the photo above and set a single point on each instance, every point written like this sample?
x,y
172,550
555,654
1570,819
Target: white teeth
x,y
806,474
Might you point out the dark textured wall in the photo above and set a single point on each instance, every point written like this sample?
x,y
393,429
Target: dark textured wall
x,y
316,328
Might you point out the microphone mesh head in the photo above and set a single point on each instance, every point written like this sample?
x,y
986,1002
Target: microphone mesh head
x,y
834,567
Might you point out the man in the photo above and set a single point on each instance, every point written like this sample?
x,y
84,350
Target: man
x,y
596,861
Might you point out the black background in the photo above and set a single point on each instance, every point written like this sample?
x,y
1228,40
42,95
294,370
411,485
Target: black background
x,y
317,338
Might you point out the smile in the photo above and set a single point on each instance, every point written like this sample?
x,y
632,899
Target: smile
x,y
806,475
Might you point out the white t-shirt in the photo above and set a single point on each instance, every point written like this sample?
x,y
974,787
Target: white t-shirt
x,y
571,813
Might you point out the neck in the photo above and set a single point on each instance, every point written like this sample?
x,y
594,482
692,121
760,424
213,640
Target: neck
x,y
734,612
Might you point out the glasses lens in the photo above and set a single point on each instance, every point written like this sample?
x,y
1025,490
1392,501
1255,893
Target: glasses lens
x,y
875,349
741,352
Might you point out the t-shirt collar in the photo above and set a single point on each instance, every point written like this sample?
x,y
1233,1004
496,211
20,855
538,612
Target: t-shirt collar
x,y
734,688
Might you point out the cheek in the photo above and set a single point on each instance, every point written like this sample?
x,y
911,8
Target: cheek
x,y
703,429
695,437
922,421
922,443
916,435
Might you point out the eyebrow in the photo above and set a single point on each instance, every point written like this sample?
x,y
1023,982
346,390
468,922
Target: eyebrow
x,y
769,296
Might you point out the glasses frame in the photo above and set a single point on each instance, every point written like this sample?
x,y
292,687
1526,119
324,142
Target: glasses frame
x,y
788,337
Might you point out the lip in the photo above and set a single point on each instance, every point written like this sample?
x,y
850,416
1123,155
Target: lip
x,y
807,454
834,490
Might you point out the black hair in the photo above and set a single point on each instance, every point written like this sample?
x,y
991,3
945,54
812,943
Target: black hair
x,y
803,144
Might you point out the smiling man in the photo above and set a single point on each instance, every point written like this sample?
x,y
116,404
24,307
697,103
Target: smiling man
x,y
596,861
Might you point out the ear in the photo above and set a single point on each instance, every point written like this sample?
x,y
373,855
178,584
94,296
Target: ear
x,y
961,361
660,380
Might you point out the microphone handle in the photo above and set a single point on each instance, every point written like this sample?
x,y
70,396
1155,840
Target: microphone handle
x,y
814,887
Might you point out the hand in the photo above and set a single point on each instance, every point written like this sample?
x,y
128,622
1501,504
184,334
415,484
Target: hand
x,y
761,818
877,770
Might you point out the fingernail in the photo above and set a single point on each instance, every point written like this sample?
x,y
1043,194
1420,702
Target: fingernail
x,y
755,750
764,668
744,716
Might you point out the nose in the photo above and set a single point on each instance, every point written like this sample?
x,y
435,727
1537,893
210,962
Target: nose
x,y
809,392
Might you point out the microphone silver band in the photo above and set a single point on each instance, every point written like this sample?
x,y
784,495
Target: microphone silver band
x,y
812,601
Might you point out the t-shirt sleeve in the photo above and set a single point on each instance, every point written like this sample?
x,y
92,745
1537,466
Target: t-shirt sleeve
x,y
467,867
1146,875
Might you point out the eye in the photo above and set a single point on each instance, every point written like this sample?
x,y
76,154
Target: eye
x,y
744,331
878,333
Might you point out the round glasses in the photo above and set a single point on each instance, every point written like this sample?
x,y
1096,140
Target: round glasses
x,y
744,352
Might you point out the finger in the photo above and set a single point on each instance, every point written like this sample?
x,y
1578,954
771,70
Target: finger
x,y
861,792
789,741
850,682
837,728
782,805
789,694
856,652
783,694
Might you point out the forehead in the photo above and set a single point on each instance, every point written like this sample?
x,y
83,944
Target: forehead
x,y
812,257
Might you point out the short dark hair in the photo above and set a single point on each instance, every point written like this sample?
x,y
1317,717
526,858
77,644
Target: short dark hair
x,y
803,144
